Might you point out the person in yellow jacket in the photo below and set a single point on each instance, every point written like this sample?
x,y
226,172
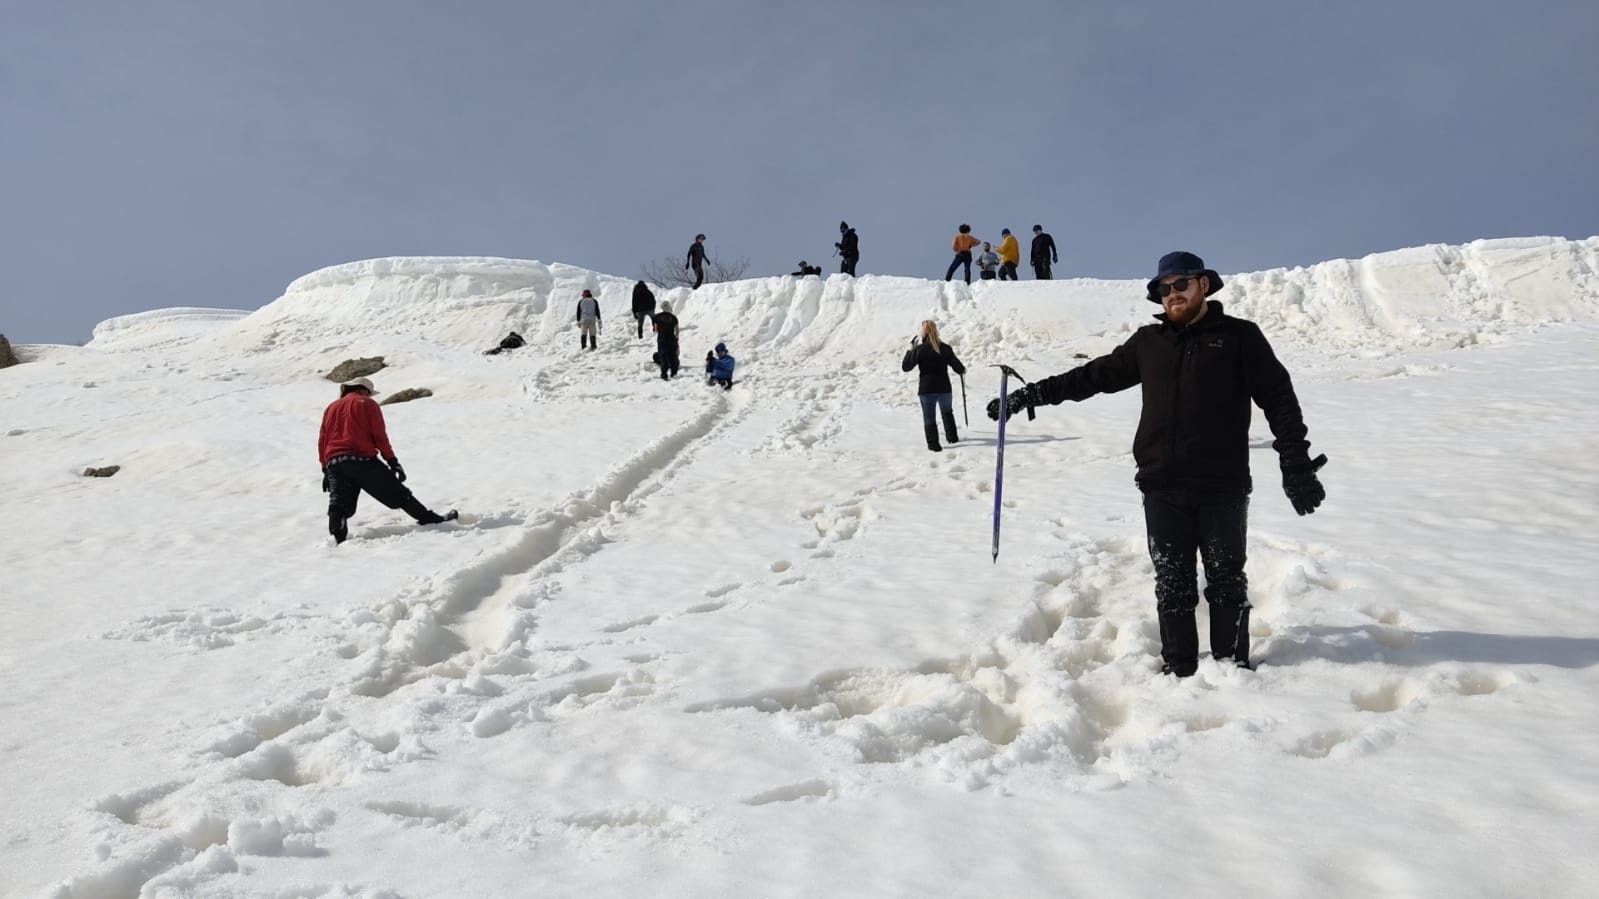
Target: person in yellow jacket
x,y
962,245
1010,255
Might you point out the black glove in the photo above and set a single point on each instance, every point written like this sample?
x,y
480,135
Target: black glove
x,y
1301,484
326,487
399,473
1015,401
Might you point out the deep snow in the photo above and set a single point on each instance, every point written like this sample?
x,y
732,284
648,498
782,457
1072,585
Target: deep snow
x,y
693,643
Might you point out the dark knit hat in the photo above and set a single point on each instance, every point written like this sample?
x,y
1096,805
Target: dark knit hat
x,y
1182,263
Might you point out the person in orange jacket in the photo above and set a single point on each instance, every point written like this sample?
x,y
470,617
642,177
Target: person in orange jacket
x,y
352,439
1010,255
962,245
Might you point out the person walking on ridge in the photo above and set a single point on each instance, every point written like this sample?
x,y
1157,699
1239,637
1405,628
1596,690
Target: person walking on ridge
x,y
849,247
962,245
352,439
933,359
1009,255
696,260
1200,369
1044,254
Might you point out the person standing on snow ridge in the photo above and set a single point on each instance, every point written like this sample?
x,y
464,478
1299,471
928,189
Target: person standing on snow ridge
x,y
1009,255
665,326
588,321
962,245
987,261
643,305
1044,254
1200,369
849,247
696,260
719,367
934,359
352,438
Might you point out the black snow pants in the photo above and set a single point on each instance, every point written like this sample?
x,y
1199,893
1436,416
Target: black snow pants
x,y
666,358
347,477
1210,522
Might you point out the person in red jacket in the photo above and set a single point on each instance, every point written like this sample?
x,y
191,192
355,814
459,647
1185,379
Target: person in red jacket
x,y
352,440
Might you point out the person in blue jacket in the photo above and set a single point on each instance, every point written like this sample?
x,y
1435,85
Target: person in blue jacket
x,y
719,367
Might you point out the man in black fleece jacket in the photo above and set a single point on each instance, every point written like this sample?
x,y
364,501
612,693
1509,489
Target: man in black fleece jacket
x,y
1200,369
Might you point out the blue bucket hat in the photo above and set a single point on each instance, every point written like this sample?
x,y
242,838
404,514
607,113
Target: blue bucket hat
x,y
1004,231
1181,263
720,348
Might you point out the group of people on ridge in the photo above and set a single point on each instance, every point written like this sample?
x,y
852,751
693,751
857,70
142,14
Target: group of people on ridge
x,y
991,264
1003,263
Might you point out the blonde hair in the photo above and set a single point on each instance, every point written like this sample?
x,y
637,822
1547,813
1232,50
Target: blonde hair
x,y
930,335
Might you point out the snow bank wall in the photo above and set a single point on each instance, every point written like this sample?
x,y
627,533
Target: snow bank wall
x,y
1426,296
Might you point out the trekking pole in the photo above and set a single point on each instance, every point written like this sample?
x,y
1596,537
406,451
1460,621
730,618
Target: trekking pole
x,y
1005,372
966,413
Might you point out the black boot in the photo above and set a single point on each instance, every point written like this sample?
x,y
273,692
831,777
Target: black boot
x,y
1229,634
1179,643
339,527
949,428
932,439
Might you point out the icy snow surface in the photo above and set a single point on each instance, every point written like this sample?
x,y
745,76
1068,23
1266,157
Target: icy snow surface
x,y
686,642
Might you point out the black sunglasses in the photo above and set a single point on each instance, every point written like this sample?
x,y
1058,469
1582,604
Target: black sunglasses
x,y
1179,285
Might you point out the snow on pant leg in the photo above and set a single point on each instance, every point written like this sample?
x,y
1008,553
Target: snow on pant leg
x,y
343,495
1222,526
380,482
1171,522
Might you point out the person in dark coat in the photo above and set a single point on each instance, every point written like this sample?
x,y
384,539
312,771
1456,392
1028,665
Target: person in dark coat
x,y
1044,254
1200,369
696,260
933,359
643,305
665,327
352,440
849,248
510,341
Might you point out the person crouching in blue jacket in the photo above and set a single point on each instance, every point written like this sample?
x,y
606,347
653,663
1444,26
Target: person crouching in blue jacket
x,y
719,367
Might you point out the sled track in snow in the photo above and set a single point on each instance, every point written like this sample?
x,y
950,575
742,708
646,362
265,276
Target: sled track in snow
x,y
488,605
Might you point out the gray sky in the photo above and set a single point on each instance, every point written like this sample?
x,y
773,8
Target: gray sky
x,y
168,153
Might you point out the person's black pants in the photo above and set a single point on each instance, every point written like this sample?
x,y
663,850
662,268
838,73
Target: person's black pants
x,y
640,317
1210,523
963,257
699,275
666,358
1041,270
346,481
1007,271
847,267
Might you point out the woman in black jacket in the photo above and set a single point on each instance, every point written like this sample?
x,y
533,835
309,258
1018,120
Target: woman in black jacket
x,y
934,358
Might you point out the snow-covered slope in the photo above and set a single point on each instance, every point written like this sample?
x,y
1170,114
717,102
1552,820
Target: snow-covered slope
x,y
686,642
